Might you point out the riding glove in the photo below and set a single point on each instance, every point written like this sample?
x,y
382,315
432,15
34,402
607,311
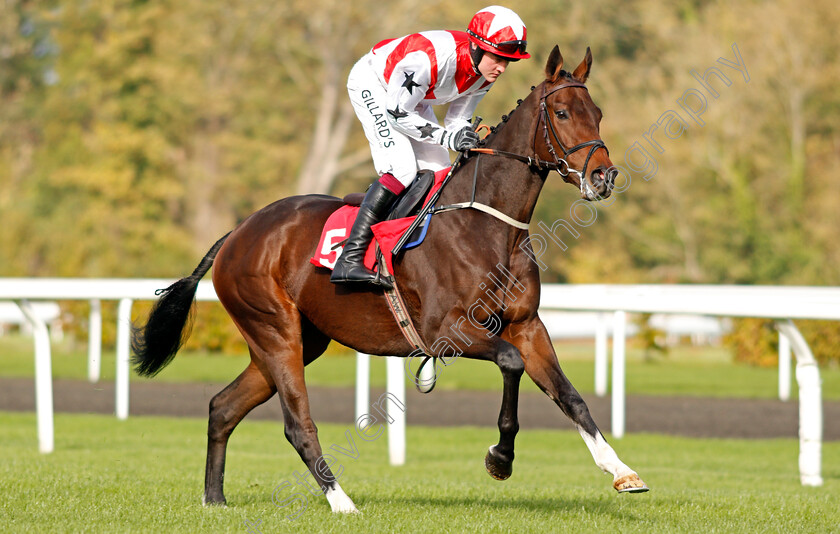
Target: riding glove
x,y
463,139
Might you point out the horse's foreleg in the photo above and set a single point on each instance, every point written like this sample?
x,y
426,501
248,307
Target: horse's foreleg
x,y
499,459
227,409
542,366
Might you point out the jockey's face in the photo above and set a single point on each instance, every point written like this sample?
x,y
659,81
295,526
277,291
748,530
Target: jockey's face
x,y
492,66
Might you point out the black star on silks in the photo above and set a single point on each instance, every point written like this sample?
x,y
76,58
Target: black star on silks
x,y
409,82
426,131
396,113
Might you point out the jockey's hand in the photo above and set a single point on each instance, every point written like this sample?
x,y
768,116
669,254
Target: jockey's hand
x,y
463,139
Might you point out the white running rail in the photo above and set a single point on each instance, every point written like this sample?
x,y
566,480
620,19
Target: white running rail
x,y
779,303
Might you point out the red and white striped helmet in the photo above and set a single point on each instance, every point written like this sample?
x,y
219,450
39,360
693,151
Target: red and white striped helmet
x,y
500,31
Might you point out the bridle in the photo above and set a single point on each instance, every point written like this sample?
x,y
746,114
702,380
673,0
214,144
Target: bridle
x,y
561,165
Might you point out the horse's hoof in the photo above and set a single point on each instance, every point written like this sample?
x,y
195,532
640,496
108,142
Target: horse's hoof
x,y
339,501
498,467
351,509
214,501
630,484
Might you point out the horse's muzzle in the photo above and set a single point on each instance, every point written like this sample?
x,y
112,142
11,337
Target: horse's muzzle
x,y
600,183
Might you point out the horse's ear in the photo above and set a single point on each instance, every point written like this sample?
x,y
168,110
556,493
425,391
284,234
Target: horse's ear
x,y
581,73
554,65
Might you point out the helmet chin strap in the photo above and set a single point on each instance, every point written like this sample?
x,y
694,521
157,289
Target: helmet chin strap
x,y
476,53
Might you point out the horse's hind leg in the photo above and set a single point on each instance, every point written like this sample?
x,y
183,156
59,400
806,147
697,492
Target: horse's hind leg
x,y
542,366
277,342
227,409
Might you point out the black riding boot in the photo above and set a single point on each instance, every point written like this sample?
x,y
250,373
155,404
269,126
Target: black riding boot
x,y
350,266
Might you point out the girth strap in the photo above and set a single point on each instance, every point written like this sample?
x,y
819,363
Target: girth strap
x,y
400,313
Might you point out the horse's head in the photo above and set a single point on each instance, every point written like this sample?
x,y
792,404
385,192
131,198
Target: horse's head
x,y
568,129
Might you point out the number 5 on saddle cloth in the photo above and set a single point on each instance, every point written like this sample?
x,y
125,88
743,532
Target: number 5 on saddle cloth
x,y
386,233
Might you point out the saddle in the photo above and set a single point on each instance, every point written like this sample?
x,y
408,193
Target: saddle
x,y
409,203
387,232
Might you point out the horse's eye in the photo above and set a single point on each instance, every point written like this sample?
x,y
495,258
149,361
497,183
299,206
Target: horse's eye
x,y
561,114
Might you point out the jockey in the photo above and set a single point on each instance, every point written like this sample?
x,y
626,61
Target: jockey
x,y
393,88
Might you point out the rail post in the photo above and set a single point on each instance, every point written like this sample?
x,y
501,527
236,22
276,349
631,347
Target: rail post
x,y
123,341
43,378
95,341
362,384
601,358
810,405
396,430
618,381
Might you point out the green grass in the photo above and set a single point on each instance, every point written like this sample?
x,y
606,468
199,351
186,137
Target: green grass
x,y
146,475
692,371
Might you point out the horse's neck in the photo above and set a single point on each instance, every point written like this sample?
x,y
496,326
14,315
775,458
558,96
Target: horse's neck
x,y
505,184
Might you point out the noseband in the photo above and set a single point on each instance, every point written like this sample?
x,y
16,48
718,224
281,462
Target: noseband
x,y
561,165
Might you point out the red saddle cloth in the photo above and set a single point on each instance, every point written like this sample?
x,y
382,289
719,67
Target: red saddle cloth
x,y
386,233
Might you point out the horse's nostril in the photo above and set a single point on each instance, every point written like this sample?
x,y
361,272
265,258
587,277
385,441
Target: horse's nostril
x,y
597,177
612,174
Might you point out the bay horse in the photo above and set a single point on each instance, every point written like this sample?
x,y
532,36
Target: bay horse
x,y
288,311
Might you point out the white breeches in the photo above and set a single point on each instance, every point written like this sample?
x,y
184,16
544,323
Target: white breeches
x,y
392,151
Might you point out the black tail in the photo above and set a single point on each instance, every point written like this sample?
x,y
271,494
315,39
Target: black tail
x,y
155,344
